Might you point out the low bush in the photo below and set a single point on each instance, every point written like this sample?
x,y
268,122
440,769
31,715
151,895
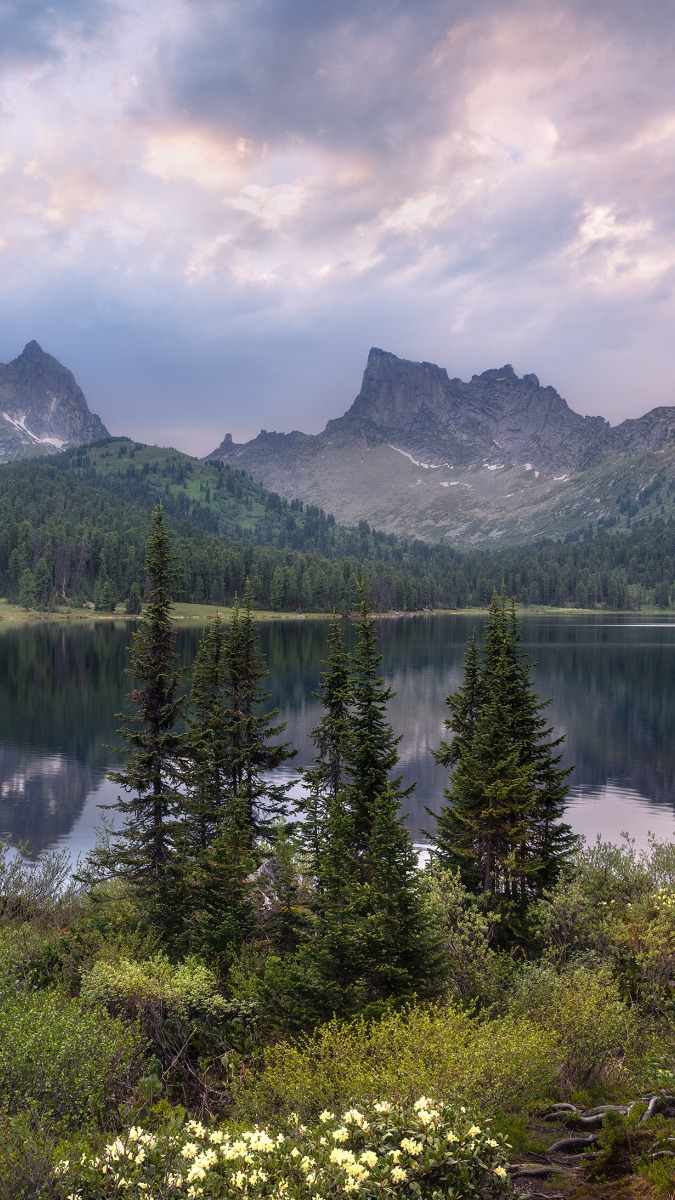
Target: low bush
x,y
45,891
58,1058
196,1035
436,1049
596,1030
383,1149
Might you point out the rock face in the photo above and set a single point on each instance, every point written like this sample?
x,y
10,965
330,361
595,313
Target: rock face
x,y
498,457
42,409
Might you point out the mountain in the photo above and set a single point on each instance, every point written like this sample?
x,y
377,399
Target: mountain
x,y
497,458
42,409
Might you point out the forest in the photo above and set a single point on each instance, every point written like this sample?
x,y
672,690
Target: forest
x,y
65,541
236,994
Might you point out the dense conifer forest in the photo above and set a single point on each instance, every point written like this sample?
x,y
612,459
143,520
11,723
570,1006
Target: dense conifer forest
x,y
70,533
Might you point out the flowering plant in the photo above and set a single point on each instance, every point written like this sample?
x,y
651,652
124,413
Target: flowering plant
x,y
380,1150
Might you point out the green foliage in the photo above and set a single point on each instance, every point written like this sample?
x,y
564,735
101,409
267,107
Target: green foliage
x,y
474,972
435,1049
148,991
502,828
192,1029
134,602
618,907
371,941
597,1030
141,851
44,892
385,1150
58,1058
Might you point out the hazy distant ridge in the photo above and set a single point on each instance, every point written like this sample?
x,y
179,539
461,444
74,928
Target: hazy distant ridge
x,y
498,457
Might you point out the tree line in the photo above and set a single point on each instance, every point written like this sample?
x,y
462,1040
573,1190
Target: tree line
x,y
325,891
63,541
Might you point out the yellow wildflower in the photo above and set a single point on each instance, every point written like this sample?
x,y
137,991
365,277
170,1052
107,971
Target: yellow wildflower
x,y
411,1146
398,1175
500,1172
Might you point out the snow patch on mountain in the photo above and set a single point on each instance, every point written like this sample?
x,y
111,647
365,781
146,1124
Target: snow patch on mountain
x,y
20,424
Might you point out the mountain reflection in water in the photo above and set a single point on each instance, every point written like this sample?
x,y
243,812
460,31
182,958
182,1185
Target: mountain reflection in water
x,y
611,680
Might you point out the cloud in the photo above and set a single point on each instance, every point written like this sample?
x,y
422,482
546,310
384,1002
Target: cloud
x,y
465,182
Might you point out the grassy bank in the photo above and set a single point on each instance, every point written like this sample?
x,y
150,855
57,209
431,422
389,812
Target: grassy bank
x,y
200,614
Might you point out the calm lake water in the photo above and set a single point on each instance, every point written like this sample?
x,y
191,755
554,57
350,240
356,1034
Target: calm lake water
x,y
612,683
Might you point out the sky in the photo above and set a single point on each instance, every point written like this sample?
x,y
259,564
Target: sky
x,y
210,210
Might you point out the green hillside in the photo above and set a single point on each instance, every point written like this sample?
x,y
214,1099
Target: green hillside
x,y
217,498
73,529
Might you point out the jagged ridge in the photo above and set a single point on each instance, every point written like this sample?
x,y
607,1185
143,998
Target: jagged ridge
x,y
498,457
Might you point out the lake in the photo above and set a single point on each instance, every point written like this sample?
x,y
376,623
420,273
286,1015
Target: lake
x,y
611,680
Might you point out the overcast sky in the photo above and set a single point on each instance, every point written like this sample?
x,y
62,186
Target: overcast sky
x,y
211,209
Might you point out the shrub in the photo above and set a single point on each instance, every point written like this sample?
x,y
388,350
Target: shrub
x,y
152,990
44,892
58,1058
193,1030
28,958
425,1150
643,945
439,1050
466,933
596,1029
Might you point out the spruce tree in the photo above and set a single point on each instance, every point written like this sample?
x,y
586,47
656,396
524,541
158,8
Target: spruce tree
x,y
501,827
142,850
250,755
465,705
372,746
401,952
215,841
324,782
372,941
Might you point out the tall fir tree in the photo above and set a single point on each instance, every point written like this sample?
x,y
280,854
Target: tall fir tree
x,y
251,753
372,746
372,941
142,850
402,953
324,781
502,827
215,837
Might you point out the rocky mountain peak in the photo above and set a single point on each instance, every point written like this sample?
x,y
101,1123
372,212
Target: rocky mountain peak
x,y
500,456
42,408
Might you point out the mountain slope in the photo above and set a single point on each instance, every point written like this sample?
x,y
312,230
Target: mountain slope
x,y
42,409
499,458
216,498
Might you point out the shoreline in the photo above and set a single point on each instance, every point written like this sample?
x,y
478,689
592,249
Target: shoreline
x,y
200,614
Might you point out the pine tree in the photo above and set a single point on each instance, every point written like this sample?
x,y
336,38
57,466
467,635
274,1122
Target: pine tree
x,y
372,941
250,755
27,591
134,603
502,827
142,850
324,782
401,952
372,747
214,837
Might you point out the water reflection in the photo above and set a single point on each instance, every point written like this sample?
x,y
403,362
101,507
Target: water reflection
x,y
612,683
